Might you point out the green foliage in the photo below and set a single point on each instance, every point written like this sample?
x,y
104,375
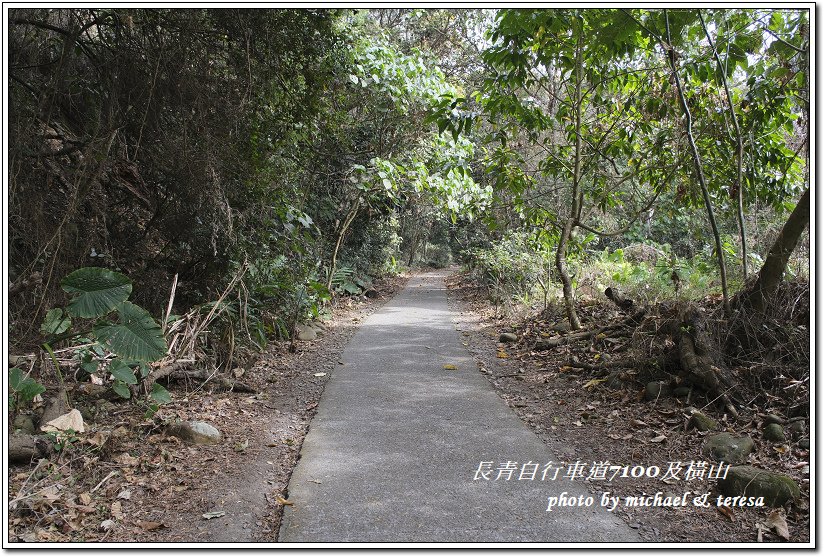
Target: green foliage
x,y
347,280
56,322
510,268
135,338
97,291
136,335
22,388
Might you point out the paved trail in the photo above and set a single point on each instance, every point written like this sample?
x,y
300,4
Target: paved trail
x,y
392,452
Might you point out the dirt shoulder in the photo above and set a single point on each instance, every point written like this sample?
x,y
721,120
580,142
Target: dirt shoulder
x,y
597,422
134,483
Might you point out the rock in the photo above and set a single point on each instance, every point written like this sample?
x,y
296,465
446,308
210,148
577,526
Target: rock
x,y
57,406
804,444
774,419
774,433
797,428
749,481
561,326
614,381
701,421
799,411
306,332
70,421
508,337
681,392
25,424
725,447
656,390
198,433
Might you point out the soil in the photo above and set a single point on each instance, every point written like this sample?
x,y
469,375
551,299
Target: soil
x,y
124,480
597,423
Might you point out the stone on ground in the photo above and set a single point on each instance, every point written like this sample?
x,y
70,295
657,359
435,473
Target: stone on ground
x,y
727,448
306,332
508,337
197,433
749,481
774,433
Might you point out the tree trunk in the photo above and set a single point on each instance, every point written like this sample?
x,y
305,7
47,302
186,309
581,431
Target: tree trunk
x,y
739,151
575,210
699,168
773,269
346,223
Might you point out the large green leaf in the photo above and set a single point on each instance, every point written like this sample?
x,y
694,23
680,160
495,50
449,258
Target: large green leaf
x,y
97,291
27,387
55,322
136,337
122,372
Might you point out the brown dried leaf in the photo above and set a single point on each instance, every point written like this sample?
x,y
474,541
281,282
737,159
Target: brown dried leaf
x,y
126,459
149,526
283,501
726,511
85,498
659,439
775,521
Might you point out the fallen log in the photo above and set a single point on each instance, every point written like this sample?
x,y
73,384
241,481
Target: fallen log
x,y
23,448
623,303
549,343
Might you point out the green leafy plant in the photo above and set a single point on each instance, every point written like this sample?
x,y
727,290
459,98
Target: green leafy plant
x,y
22,388
135,337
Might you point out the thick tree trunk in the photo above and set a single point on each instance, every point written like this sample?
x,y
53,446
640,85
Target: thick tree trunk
x,y
772,271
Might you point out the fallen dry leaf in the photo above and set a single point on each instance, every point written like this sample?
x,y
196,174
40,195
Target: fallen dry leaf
x,y
213,514
659,439
85,498
502,354
593,382
148,525
283,501
320,374
726,511
775,521
126,459
450,366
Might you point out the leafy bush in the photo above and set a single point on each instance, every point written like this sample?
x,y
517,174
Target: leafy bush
x,y
510,268
135,338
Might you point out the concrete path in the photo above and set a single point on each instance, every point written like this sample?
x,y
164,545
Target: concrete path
x,y
393,451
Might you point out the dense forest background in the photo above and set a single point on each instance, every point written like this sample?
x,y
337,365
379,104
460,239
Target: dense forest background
x,y
244,168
